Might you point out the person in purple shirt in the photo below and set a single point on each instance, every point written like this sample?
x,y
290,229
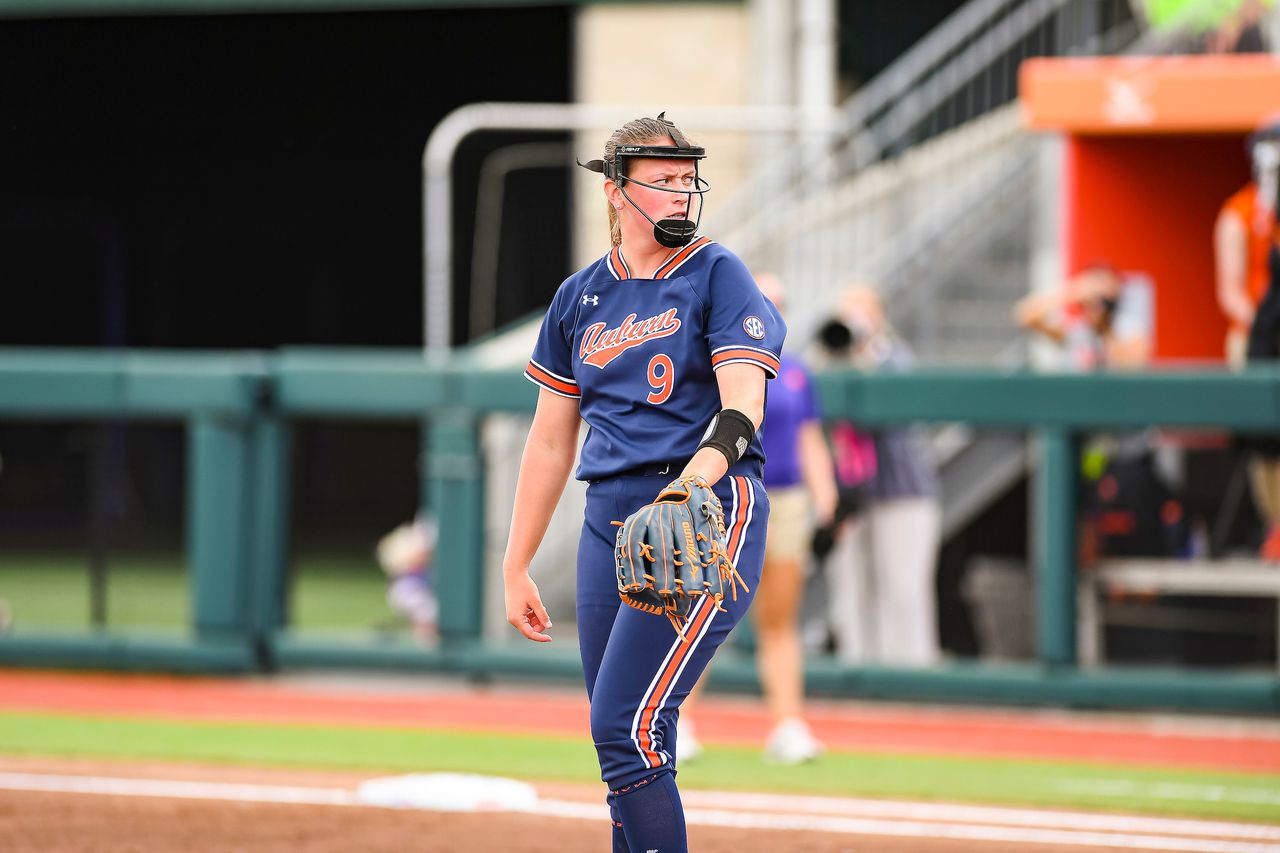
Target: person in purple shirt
x,y
799,477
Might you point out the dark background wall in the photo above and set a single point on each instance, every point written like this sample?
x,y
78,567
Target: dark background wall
x,y
873,33
248,181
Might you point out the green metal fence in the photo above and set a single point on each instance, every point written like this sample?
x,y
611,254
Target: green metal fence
x,y
221,400
238,408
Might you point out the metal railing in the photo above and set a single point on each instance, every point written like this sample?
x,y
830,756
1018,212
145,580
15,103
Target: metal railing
x,y
868,219
964,68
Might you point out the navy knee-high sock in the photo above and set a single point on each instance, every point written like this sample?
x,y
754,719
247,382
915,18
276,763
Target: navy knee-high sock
x,y
619,839
652,817
615,817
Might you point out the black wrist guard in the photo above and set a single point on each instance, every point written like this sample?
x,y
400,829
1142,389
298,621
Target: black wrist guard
x,y
731,433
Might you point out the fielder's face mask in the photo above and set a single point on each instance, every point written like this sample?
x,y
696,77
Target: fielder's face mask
x,y
672,233
1264,150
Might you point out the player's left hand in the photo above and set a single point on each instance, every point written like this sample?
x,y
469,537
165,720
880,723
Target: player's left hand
x,y
670,552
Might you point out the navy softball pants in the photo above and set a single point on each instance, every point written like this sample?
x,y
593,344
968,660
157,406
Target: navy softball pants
x,y
638,670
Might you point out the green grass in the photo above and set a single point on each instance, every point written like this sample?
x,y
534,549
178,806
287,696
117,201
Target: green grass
x,y
1033,783
150,590
339,591
51,590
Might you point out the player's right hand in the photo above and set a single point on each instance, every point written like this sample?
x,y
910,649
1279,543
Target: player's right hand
x,y
524,607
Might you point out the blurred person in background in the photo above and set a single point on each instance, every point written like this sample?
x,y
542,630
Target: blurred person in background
x,y
1264,335
1243,29
802,493
883,605
1102,318
1211,26
1265,332
406,555
1245,235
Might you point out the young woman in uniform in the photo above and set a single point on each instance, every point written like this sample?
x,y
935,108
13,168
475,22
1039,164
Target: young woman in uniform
x,y
663,347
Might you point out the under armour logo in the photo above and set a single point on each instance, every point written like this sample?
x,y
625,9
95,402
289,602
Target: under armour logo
x,y
588,299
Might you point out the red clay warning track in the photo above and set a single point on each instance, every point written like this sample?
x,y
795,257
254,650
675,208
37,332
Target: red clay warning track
x,y
1138,740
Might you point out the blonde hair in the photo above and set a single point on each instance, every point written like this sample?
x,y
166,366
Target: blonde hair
x,y
636,132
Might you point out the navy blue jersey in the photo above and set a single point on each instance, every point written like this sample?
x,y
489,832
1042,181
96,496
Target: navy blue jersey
x,y
641,353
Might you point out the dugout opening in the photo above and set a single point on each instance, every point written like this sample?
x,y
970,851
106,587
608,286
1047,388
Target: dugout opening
x,y
1153,147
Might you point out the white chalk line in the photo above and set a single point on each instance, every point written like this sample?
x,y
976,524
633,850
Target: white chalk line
x,y
231,791
802,814
977,814
1173,791
974,832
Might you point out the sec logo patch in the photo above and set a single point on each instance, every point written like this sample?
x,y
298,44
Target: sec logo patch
x,y
754,327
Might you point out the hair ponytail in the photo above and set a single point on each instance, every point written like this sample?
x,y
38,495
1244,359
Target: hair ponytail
x,y
615,226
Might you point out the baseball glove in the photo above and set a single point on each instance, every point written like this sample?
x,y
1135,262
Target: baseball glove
x,y
673,550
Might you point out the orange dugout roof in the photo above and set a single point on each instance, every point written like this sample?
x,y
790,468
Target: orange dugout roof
x,y
1150,95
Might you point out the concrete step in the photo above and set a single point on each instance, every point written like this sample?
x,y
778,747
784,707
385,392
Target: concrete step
x,y
986,278
973,351
963,316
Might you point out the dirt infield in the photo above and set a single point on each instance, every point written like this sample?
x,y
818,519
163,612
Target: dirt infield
x,y
61,822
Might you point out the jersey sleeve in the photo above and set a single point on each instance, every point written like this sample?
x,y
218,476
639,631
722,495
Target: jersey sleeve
x,y
743,327
551,365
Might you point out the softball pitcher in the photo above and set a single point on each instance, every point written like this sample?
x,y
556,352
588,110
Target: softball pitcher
x,y
663,347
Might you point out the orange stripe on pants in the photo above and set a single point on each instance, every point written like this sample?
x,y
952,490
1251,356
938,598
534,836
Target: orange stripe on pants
x,y
740,522
651,708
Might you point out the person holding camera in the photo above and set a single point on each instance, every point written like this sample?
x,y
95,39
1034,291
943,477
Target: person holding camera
x,y
1102,318
882,605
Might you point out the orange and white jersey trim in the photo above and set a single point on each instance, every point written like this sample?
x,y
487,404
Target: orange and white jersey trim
x,y
621,270
740,354
553,382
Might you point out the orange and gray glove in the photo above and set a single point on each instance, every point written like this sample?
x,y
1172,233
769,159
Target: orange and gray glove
x,y
672,551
